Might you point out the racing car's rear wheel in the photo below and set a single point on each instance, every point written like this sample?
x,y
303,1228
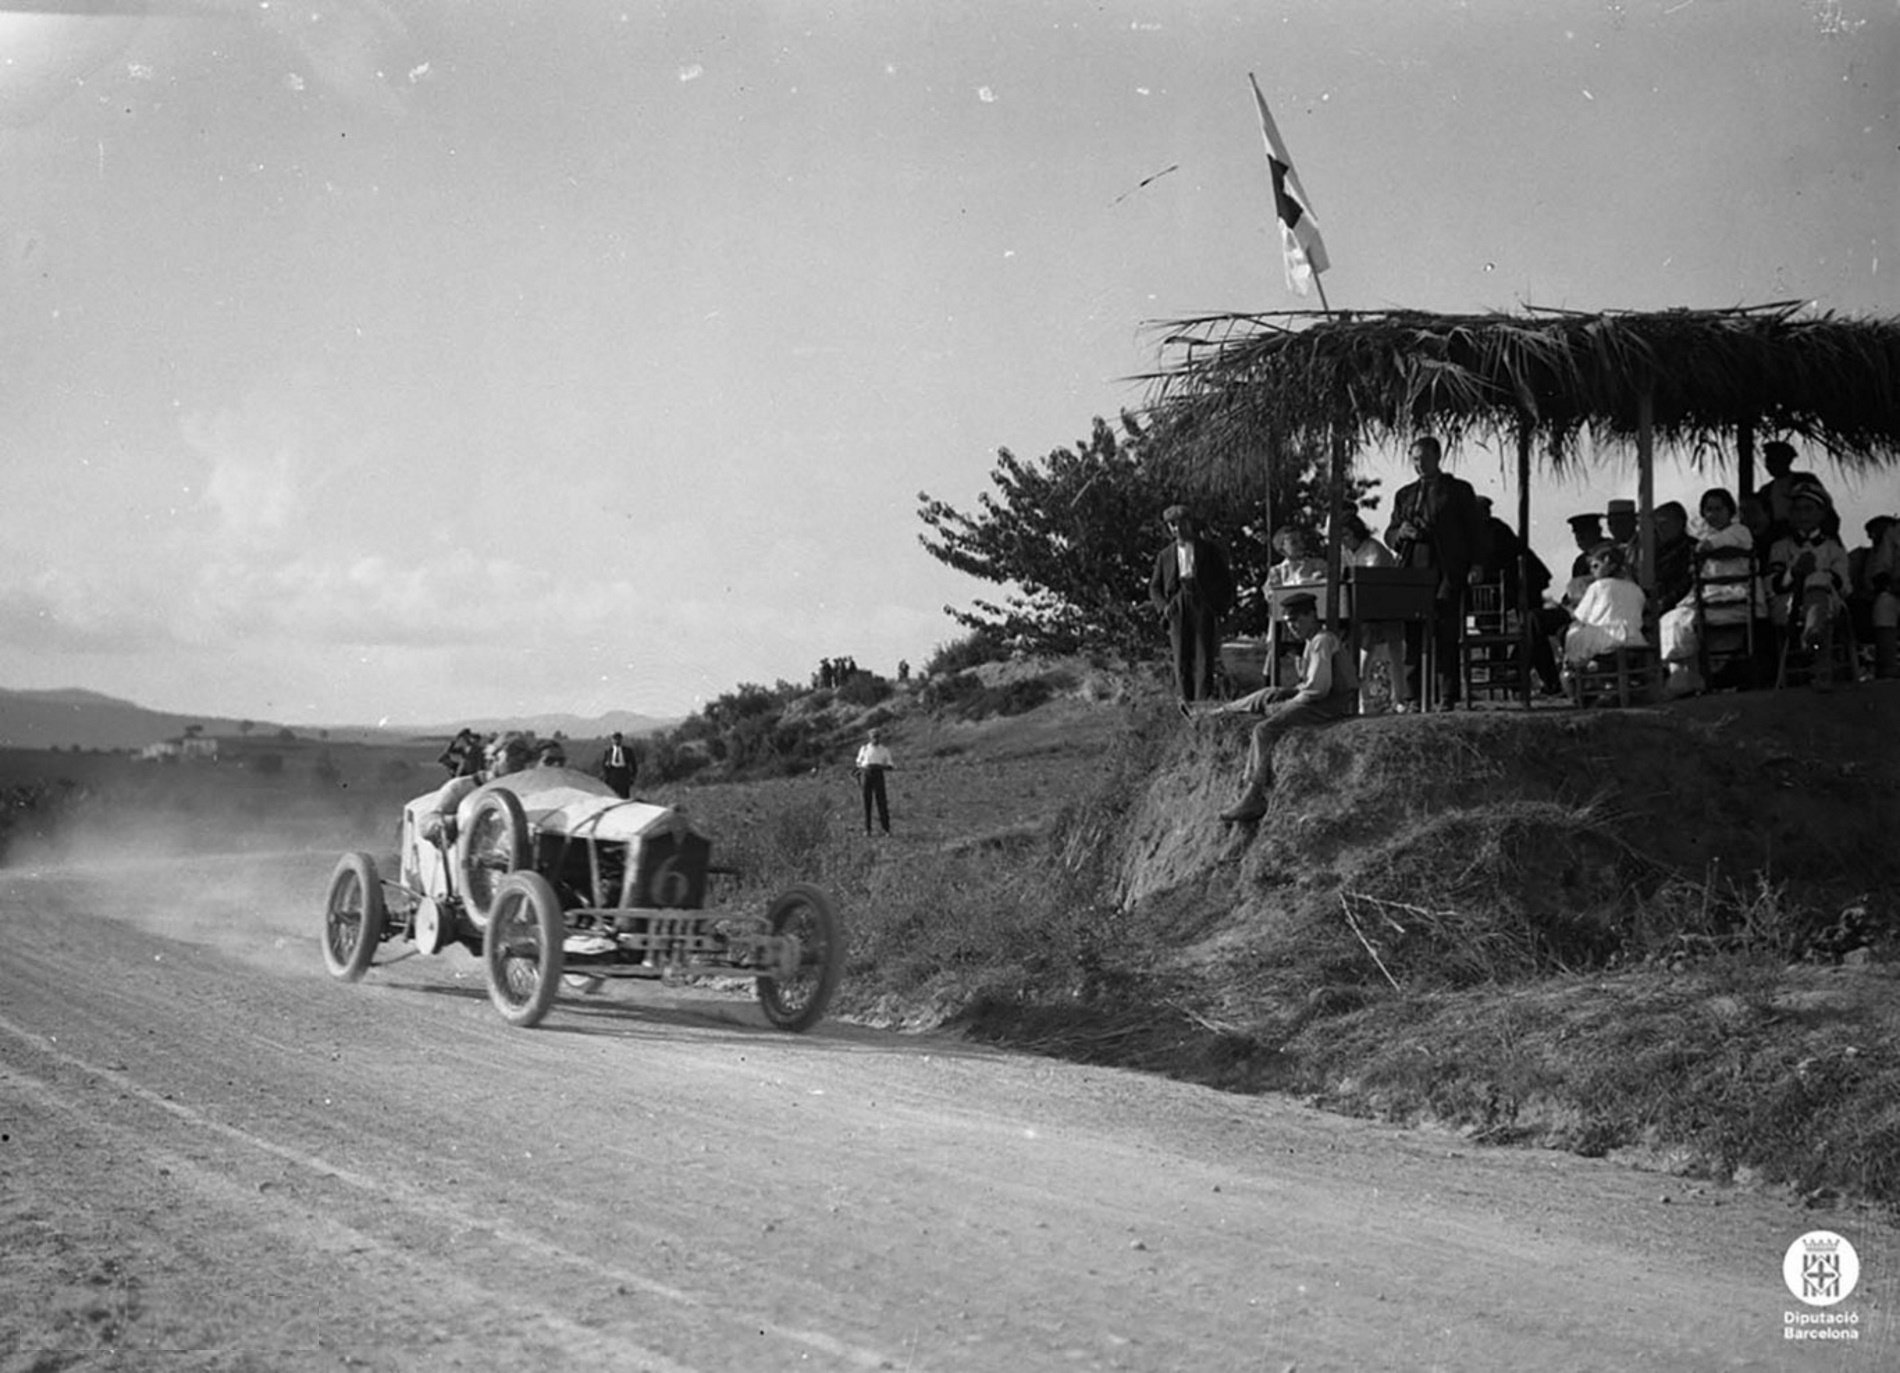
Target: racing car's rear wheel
x,y
522,948
353,917
495,844
805,914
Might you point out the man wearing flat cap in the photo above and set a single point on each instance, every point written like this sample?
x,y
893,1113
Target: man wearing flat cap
x,y
1191,587
1328,690
1587,530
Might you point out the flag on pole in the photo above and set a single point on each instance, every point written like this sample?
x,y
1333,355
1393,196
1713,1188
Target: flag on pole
x,y
1299,234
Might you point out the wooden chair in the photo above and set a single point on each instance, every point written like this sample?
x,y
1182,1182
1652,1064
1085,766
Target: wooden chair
x,y
1627,676
1797,667
1491,658
1724,619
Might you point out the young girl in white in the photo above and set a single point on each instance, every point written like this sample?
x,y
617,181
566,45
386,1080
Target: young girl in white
x,y
1610,615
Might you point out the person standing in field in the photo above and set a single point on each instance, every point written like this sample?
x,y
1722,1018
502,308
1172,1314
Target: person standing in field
x,y
1191,587
874,760
617,767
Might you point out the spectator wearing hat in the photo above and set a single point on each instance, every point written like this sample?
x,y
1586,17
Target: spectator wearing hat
x,y
1328,690
1808,574
1436,524
873,761
1620,517
617,765
1778,492
1587,530
1191,587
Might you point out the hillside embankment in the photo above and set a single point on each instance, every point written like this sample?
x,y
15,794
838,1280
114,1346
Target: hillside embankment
x,y
1665,932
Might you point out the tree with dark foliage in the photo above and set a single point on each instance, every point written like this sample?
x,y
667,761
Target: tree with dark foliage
x,y
1074,535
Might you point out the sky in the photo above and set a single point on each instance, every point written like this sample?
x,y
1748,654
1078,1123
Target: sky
x,y
364,362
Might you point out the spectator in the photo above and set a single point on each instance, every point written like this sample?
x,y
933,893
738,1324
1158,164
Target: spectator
x,y
1675,556
1725,550
1883,580
1860,591
1778,493
1191,587
1435,523
1381,639
1298,564
1508,560
1807,574
1587,530
1620,515
1328,691
618,766
1610,615
903,672
873,761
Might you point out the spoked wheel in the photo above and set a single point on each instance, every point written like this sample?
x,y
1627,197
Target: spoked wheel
x,y
522,948
796,1002
495,844
353,917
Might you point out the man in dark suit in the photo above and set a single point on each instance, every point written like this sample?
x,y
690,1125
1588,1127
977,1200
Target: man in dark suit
x,y
1191,587
1436,524
617,767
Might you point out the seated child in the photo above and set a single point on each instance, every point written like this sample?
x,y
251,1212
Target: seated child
x,y
1807,575
1610,615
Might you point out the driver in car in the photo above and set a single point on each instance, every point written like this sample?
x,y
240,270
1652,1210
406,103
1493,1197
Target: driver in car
x,y
432,816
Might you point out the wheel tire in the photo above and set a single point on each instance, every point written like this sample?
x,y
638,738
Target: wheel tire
x,y
798,1002
494,845
521,948
354,917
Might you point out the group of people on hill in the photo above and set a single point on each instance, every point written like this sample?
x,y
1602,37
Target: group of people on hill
x,y
1775,557
834,672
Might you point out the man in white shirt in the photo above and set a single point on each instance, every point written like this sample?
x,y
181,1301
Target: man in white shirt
x,y
1328,690
617,767
874,760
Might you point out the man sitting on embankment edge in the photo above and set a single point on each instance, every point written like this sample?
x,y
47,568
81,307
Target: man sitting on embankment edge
x,y
1328,690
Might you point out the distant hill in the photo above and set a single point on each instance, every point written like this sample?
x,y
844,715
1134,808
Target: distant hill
x,y
71,717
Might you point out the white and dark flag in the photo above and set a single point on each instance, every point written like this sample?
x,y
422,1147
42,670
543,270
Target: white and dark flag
x,y
1299,232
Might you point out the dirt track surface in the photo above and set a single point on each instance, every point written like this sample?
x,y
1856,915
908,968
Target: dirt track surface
x,y
212,1156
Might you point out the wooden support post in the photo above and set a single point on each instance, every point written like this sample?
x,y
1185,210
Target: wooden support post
x,y
1744,460
1335,517
1527,625
1646,488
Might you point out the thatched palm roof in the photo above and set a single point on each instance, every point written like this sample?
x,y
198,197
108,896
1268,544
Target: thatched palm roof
x,y
1708,376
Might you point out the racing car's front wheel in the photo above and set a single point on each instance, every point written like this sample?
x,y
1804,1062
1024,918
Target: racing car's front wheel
x,y
353,917
495,845
804,915
522,948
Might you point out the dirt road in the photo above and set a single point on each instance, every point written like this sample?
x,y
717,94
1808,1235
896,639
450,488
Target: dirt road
x,y
214,1157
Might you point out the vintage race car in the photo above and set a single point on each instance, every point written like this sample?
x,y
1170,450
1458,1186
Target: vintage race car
x,y
549,876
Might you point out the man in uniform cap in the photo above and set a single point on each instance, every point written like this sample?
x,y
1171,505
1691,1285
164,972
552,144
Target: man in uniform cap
x,y
1328,690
